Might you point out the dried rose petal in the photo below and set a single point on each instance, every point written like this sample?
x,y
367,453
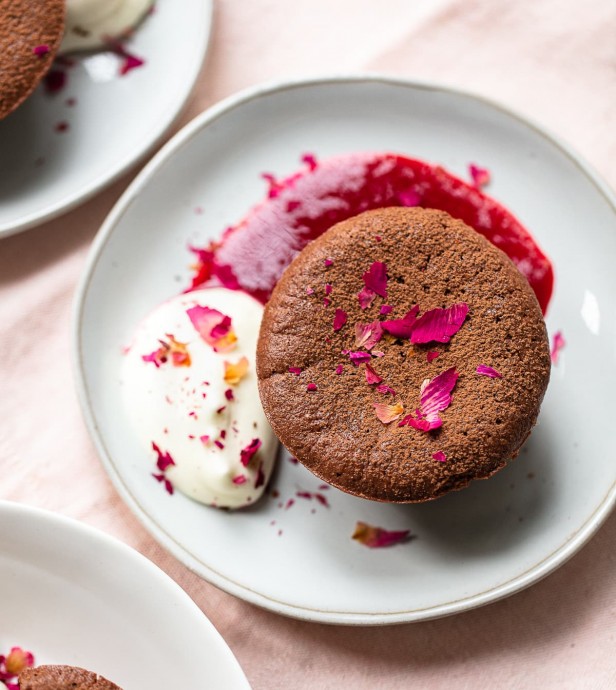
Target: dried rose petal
x,y
479,176
340,318
439,456
40,50
168,485
388,413
322,499
163,460
358,357
365,297
377,537
435,397
260,479
130,61
214,327
402,328
368,334
239,479
558,342
328,288
177,351
371,375
326,301
229,395
485,370
386,390
309,291
234,373
295,370
311,387
327,262
339,369
17,660
204,439
375,279
439,324
430,356
385,309
246,454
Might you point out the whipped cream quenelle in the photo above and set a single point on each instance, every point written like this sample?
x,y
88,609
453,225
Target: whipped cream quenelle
x,y
190,388
92,23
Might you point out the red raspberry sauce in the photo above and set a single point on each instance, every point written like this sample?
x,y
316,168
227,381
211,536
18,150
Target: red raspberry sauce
x,y
253,254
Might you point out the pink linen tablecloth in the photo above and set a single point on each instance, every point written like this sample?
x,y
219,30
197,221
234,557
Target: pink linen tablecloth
x,y
554,60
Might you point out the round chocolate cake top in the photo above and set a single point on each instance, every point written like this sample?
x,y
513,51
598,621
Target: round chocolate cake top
x,y
63,678
30,35
323,361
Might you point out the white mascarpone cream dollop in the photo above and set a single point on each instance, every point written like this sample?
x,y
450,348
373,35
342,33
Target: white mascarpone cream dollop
x,y
92,23
190,387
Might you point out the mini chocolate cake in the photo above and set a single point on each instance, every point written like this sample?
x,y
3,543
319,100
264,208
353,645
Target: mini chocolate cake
x,y
63,678
402,355
30,34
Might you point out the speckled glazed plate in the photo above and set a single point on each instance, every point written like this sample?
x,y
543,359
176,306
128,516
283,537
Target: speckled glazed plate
x,y
56,150
73,595
471,547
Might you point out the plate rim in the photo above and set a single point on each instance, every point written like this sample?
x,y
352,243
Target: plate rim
x,y
83,531
132,157
538,571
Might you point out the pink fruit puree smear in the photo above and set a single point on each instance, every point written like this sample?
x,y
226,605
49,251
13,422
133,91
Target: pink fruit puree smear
x,y
253,254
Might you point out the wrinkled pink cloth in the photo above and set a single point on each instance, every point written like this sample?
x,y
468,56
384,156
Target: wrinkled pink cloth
x,y
553,60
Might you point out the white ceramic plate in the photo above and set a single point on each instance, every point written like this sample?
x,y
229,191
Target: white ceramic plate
x,y
472,547
73,595
113,123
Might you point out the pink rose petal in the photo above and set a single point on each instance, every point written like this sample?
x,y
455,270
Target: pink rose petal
x,y
368,334
358,357
327,262
340,318
41,50
295,370
435,397
386,390
430,356
558,342
239,479
311,387
439,325
484,370
309,291
402,328
213,326
247,453
371,375
479,176
328,288
339,369
385,309
163,460
377,537
375,279
388,413
365,297
439,456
